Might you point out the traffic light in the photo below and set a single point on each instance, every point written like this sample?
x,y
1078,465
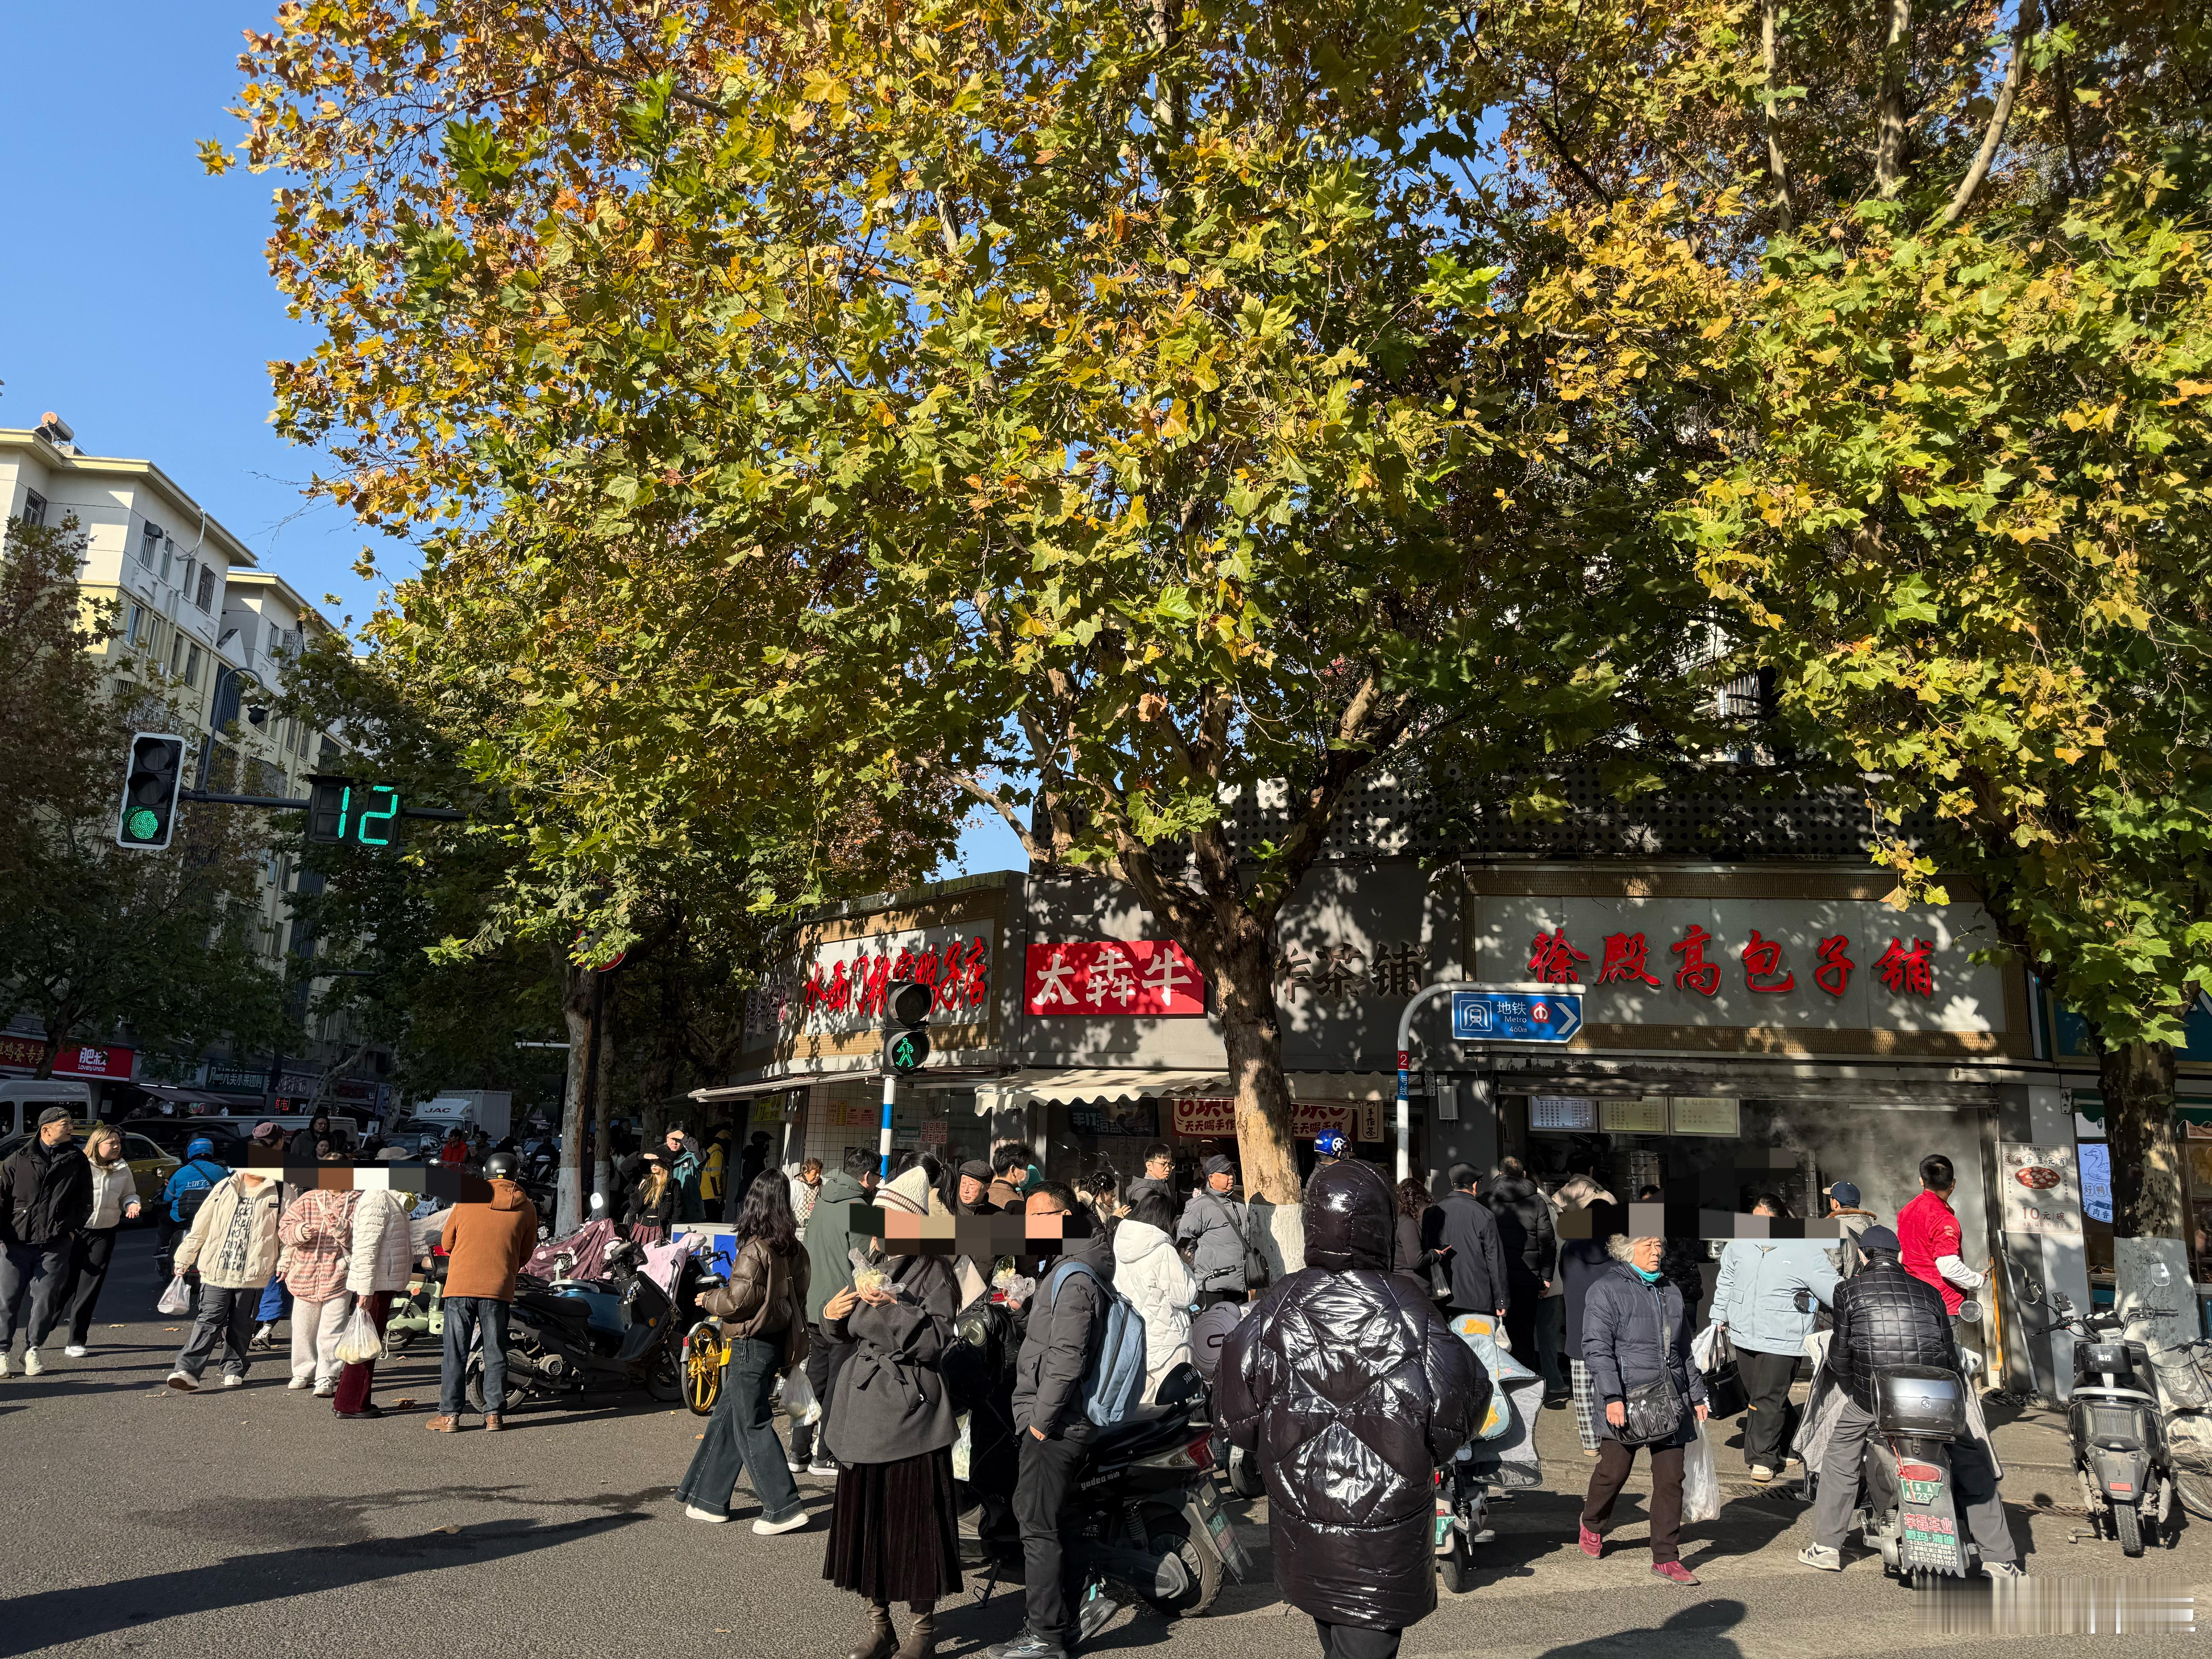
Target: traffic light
x,y
905,1047
156,773
339,810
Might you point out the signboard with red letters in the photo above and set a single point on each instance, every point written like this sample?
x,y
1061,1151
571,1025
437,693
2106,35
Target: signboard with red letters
x,y
23,1053
842,985
1151,978
1214,1118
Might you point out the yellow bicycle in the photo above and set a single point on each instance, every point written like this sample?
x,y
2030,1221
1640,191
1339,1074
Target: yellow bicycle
x,y
705,1353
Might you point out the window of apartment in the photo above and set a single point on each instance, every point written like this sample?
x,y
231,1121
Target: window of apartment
x,y
137,625
177,656
207,588
34,507
192,666
149,544
168,556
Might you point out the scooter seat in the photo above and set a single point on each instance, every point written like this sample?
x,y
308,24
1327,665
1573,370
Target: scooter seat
x,y
1145,1426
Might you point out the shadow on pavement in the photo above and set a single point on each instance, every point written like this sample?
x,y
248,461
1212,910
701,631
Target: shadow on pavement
x,y
46,1618
1698,1629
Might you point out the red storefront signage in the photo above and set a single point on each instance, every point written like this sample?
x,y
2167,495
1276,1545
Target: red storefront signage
x,y
1149,976
1554,959
23,1053
1214,1118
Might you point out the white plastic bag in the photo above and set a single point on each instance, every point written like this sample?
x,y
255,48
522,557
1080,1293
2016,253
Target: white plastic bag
x,y
1703,1348
1701,1485
176,1299
798,1401
361,1343
961,1450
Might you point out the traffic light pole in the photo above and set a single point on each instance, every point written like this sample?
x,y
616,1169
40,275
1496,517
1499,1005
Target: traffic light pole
x,y
883,1144
279,804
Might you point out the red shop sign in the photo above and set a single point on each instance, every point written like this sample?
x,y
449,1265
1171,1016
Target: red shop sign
x,y
74,1060
1149,976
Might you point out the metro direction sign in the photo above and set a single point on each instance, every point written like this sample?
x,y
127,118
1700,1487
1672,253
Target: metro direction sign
x,y
1515,1016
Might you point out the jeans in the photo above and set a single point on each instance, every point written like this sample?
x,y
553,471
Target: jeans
x,y
95,1248
316,1328
1767,1378
1611,1474
1551,1343
357,1378
36,1275
739,1439
1356,1641
1973,1481
1048,1470
465,1315
820,1363
225,1319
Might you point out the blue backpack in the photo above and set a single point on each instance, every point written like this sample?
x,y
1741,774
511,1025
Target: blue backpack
x,y
1111,1384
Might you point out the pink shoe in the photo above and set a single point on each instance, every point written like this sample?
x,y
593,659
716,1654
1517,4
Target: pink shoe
x,y
1593,1546
1675,1570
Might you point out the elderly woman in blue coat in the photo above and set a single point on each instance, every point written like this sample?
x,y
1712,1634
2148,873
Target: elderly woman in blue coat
x,y
1755,1298
1635,1334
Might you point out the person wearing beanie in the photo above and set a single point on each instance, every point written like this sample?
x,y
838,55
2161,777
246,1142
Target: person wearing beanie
x,y
976,1188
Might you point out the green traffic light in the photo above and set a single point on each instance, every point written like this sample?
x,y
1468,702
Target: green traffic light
x,y
143,825
383,818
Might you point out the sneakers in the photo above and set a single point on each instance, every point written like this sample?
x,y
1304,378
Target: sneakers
x,y
1761,1474
1593,1546
301,1382
768,1528
443,1424
494,1422
795,1466
183,1382
3,1365
1096,1612
2004,1572
265,1336
698,1514
324,1390
822,1467
1027,1645
77,1351
33,1365
1820,1556
231,1381
1673,1571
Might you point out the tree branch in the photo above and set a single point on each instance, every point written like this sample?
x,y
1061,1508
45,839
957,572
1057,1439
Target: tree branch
x,y
1559,149
2024,30
1890,119
1776,168
1005,809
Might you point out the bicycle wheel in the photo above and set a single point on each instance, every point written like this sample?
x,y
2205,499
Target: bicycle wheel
x,y
704,1355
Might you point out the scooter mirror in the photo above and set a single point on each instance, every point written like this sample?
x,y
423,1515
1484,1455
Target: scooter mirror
x,y
598,1202
1970,1311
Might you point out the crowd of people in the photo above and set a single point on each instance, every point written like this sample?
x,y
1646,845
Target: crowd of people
x,y
1606,1317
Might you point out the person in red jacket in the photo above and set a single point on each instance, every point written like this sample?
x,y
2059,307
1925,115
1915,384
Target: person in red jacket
x,y
1929,1232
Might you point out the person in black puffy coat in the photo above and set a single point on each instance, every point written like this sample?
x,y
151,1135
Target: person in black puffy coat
x,y
1524,1234
1349,1390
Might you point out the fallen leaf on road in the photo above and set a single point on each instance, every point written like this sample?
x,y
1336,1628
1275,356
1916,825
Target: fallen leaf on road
x,y
402,1405
448,1529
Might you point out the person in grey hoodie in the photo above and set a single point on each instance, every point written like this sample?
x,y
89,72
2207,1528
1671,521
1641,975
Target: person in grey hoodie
x,y
830,1240
1213,1224
1755,1298
1066,1323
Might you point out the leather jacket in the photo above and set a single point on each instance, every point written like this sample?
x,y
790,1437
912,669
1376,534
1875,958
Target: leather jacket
x,y
1884,1317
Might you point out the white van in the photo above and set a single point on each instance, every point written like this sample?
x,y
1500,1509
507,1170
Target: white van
x,y
23,1098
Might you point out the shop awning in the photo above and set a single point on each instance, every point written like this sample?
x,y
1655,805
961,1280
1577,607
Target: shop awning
x,y
183,1097
1091,1083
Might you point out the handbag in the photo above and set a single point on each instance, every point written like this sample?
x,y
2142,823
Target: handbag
x,y
1653,1410
1725,1392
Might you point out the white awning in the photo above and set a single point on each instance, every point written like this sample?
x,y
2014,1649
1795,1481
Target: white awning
x,y
1092,1083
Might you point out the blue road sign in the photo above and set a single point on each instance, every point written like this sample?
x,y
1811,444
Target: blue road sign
x,y
1515,1016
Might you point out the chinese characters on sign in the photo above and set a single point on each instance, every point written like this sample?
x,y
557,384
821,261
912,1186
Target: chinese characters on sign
x,y
72,1059
1151,978
1553,959
843,985
1339,973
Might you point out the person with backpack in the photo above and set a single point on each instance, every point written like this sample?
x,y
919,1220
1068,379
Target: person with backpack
x,y
1214,1224
1068,1317
186,1189
894,1521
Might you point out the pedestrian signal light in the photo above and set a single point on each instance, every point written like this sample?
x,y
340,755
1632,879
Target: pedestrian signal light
x,y
340,809
904,1051
154,775
910,1005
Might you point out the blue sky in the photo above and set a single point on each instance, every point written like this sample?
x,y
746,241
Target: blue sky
x,y
134,300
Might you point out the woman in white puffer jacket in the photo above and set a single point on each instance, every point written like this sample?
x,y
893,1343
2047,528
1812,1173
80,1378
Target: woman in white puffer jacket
x,y
1148,1270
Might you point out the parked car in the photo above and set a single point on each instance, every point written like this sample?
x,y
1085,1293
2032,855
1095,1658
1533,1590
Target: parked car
x,y
174,1134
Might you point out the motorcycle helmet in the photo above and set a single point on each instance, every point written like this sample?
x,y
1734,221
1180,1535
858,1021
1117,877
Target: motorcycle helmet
x,y
200,1146
1331,1143
502,1166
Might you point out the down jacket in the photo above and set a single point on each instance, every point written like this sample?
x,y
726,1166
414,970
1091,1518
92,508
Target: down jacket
x,y
1065,1330
383,1255
203,1247
46,1193
1886,1316
1632,1333
1147,1270
1350,1390
1756,1294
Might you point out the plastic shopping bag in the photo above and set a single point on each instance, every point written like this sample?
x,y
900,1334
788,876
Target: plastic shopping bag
x,y
798,1401
176,1299
961,1450
361,1343
1701,1485
1705,1348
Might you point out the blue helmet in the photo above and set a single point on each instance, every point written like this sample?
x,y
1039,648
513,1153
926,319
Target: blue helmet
x,y
1331,1143
201,1147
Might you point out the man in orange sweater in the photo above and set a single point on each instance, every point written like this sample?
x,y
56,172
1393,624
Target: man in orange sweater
x,y
485,1245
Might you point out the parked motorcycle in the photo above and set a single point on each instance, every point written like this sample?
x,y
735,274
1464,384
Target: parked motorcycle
x,y
2117,1417
1911,1514
1150,1518
568,1337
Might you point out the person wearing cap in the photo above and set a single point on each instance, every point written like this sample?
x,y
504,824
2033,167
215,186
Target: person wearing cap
x,y
1755,1301
379,1267
685,1161
1843,1210
485,1244
45,1196
1887,1316
232,1243
654,1200
976,1188
1215,1225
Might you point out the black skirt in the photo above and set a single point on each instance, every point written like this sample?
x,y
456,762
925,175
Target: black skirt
x,y
893,1530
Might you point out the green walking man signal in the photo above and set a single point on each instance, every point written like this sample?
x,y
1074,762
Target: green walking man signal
x,y
152,777
907,1046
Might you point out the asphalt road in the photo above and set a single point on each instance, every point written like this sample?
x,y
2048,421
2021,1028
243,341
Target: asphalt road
x,y
253,1522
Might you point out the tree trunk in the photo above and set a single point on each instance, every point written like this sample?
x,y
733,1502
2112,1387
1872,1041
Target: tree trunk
x,y
49,1053
1252,1036
2137,1081
603,1165
1889,110
1778,168
576,1005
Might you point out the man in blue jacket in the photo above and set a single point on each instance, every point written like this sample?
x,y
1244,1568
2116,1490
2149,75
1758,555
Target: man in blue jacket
x,y
1756,1299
